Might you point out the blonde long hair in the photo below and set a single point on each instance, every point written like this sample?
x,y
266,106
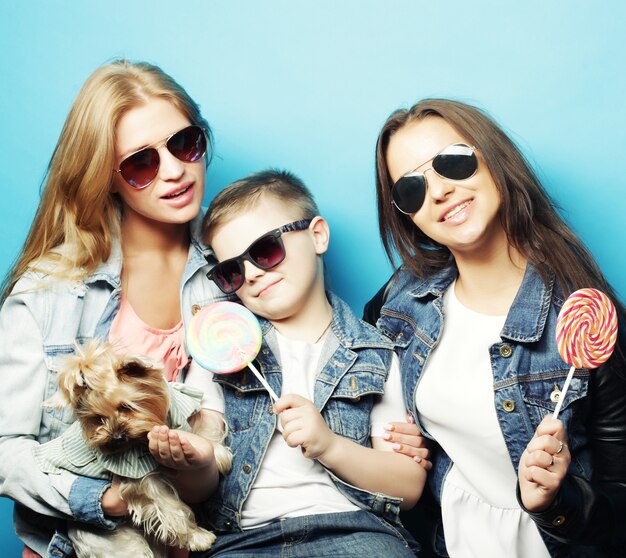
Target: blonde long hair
x,y
77,210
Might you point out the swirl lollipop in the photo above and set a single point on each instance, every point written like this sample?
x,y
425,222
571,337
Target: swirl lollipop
x,y
224,337
586,331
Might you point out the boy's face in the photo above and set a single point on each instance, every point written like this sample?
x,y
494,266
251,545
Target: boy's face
x,y
297,283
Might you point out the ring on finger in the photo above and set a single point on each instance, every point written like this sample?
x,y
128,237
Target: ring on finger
x,y
551,461
561,444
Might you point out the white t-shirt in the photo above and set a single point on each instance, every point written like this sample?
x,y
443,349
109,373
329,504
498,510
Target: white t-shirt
x,y
455,402
289,484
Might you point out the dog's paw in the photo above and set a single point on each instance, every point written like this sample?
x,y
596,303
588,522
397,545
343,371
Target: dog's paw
x,y
200,539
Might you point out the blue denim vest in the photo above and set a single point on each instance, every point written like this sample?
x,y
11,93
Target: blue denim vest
x,y
526,365
345,391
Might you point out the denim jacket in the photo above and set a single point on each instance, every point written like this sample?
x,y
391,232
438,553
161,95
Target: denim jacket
x,y
345,391
528,373
39,324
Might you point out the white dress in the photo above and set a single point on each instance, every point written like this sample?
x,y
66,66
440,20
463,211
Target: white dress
x,y
455,402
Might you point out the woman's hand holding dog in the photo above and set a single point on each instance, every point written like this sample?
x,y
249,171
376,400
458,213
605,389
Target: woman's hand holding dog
x,y
112,503
178,449
185,451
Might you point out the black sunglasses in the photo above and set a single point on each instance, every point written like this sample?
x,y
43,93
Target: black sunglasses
x,y
265,252
140,169
455,162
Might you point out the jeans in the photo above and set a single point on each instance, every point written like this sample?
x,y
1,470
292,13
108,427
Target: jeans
x,y
347,534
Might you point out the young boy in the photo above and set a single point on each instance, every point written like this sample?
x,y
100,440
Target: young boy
x,y
311,472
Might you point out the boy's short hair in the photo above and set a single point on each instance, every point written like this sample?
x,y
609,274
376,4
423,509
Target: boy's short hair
x,y
245,194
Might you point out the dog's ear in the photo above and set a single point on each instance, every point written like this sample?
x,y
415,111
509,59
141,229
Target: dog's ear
x,y
138,367
75,375
71,380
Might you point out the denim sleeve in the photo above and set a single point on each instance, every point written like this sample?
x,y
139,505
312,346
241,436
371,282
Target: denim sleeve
x,y
85,502
23,383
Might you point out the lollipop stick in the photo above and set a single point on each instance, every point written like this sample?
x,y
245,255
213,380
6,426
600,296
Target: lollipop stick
x,y
263,381
559,403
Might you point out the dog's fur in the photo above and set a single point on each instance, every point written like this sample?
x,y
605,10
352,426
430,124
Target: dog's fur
x,y
117,401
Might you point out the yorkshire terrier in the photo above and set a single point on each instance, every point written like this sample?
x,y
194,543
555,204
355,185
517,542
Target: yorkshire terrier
x,y
117,401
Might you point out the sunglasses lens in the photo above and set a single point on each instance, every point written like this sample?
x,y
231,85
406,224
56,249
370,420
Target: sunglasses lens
x,y
456,162
408,193
140,168
228,275
267,252
188,145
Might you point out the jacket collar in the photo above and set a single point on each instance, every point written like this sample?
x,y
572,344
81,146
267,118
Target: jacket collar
x,y
350,332
527,316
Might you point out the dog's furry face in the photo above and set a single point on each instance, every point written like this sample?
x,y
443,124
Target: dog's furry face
x,y
117,401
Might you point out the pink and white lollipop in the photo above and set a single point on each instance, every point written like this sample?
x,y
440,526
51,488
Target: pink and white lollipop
x,y
225,337
586,331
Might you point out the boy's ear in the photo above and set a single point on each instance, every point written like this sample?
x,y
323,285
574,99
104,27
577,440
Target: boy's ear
x,y
321,234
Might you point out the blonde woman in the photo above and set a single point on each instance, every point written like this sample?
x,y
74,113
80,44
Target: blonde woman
x,y
113,253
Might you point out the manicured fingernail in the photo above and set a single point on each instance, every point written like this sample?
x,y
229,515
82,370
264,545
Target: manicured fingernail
x,y
386,436
390,427
417,459
411,419
396,446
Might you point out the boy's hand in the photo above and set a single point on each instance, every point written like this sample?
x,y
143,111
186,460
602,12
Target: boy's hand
x,y
304,426
178,449
407,439
543,465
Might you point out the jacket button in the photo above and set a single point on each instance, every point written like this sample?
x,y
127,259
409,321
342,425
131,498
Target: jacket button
x,y
246,468
387,508
558,520
556,394
195,309
270,409
506,351
508,405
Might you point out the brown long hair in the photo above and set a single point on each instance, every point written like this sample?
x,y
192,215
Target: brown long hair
x,y
77,210
528,215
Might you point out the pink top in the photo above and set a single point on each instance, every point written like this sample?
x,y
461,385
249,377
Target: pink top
x,y
129,334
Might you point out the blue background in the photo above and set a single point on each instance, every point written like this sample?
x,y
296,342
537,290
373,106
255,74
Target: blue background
x,y
307,86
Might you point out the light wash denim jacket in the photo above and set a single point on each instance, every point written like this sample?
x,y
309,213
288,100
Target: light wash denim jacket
x,y
39,324
527,370
345,391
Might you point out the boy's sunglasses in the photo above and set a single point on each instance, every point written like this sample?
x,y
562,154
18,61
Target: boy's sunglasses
x,y
265,252
455,162
140,169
